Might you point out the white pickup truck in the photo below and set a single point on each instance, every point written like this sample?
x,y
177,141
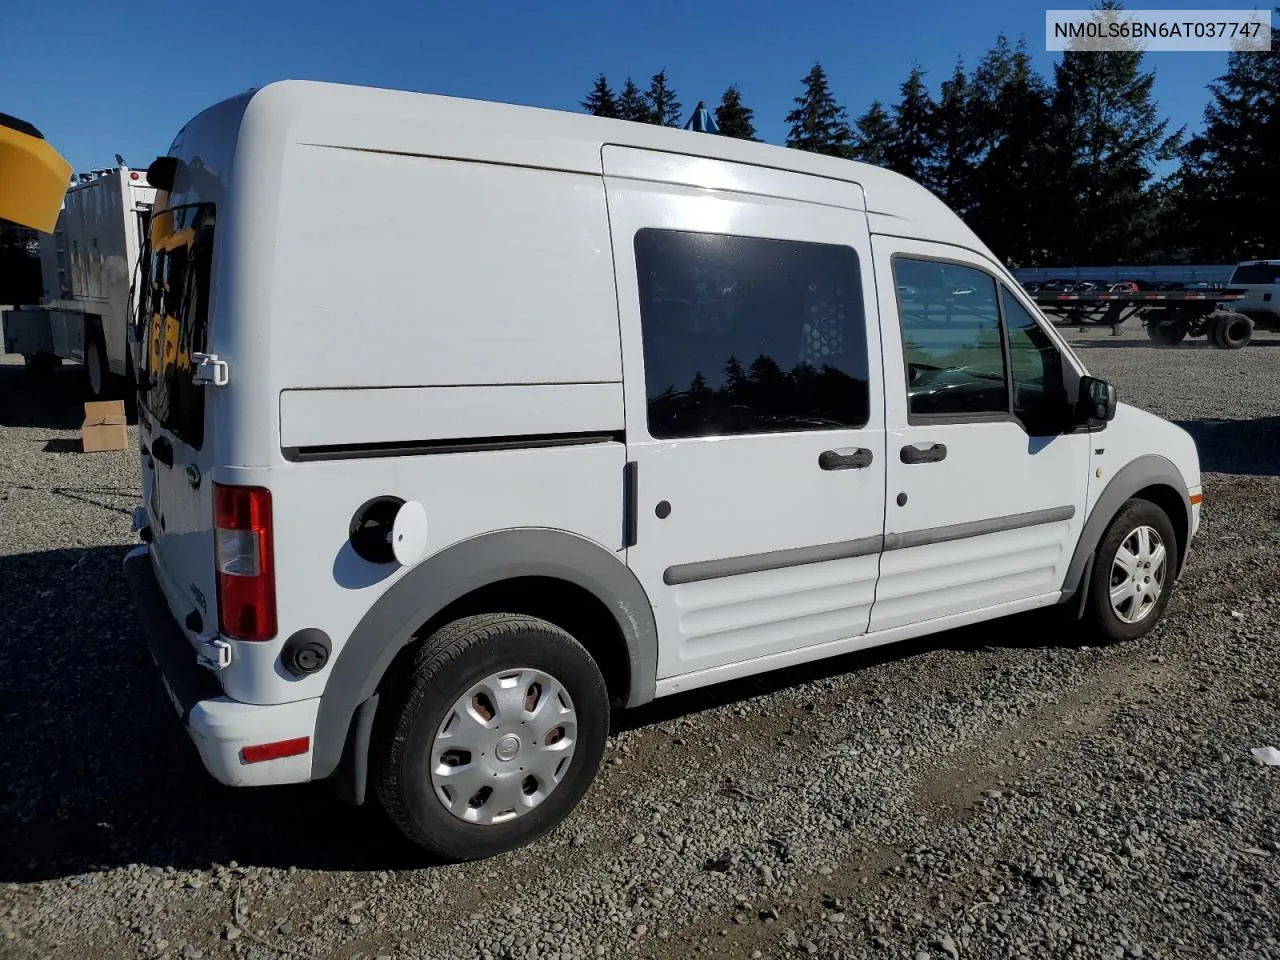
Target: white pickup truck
x,y
1259,281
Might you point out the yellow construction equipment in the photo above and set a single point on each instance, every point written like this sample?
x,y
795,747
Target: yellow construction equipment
x,y
33,176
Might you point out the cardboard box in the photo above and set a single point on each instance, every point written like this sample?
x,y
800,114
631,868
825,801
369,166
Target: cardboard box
x,y
104,427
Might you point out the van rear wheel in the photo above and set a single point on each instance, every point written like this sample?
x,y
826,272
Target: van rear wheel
x,y
495,737
1133,572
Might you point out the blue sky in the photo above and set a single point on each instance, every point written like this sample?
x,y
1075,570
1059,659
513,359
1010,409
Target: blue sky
x,y
98,79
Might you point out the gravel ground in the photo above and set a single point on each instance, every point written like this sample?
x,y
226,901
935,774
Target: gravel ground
x,y
1000,791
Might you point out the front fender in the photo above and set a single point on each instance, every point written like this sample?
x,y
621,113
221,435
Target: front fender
x,y
1140,474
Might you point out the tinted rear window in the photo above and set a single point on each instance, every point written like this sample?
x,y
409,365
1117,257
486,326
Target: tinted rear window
x,y
174,315
1257,273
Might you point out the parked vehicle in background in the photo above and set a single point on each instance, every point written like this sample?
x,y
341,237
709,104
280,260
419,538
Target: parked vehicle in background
x,y
631,411
1170,316
88,265
1259,281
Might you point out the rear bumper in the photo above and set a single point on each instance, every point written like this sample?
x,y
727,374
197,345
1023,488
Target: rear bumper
x,y
218,726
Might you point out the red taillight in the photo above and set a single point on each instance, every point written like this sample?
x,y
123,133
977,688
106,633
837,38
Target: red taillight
x,y
274,751
246,567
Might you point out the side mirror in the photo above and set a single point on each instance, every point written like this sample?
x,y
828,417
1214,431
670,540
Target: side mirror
x,y
1096,401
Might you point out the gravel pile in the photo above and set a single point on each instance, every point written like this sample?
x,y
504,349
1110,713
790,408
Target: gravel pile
x,y
1000,791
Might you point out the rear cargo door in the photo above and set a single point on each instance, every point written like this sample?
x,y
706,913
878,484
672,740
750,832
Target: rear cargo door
x,y
174,312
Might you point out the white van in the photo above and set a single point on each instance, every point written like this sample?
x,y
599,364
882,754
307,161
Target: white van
x,y
463,423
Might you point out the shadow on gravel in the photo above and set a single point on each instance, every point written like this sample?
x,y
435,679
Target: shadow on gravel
x,y
1247,447
52,401
1036,630
96,772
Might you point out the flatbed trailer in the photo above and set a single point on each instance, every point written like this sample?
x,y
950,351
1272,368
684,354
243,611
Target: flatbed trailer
x,y
1170,316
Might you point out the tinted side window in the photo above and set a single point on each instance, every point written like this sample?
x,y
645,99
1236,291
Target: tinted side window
x,y
951,338
750,335
174,305
1039,394
1256,273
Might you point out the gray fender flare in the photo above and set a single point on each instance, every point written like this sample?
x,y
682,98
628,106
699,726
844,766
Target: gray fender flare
x,y
455,572
1146,471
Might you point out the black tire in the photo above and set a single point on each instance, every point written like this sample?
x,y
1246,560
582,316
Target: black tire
x,y
1167,333
1132,516
1232,331
443,668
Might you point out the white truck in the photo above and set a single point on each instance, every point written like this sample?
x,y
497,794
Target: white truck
x,y
1259,283
87,265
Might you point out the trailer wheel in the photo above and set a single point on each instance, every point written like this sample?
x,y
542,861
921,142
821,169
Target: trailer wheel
x,y
1232,331
1167,333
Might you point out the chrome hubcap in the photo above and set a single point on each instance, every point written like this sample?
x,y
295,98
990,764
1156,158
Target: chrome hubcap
x,y
504,746
1138,574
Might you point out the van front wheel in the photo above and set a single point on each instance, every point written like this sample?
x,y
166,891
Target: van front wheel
x,y
495,737
1133,572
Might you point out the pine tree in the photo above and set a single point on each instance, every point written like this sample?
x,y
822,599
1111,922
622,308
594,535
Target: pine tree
x,y
734,118
1226,205
873,138
1111,135
953,144
600,102
631,103
661,103
818,123
1013,192
913,117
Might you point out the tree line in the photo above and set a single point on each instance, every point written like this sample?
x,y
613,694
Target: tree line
x,y
1060,170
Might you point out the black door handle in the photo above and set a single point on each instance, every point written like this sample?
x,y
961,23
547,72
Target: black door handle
x,y
913,454
850,458
162,450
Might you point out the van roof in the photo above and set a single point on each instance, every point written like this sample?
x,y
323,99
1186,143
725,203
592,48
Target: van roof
x,y
382,120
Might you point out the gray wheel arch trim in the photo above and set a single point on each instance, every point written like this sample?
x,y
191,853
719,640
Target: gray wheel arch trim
x,y
1146,471
455,572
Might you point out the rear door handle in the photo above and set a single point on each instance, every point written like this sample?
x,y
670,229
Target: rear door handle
x,y
847,458
913,454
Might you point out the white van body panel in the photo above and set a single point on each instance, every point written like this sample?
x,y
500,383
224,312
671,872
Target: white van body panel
x,y
512,290
746,502
328,417
1136,433
1027,493
321,580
